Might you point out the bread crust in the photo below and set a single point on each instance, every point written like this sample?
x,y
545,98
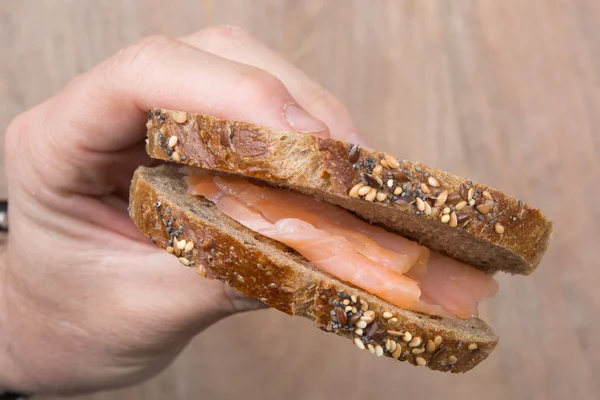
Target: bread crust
x,y
257,266
475,223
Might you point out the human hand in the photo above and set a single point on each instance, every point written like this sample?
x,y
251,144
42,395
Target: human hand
x,y
86,301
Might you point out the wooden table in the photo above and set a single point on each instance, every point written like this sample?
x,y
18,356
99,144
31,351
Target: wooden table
x,y
506,92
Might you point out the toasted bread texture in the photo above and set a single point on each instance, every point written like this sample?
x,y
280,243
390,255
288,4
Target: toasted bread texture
x,y
218,247
468,221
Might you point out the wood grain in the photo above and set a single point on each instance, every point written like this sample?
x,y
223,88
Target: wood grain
x,y
507,92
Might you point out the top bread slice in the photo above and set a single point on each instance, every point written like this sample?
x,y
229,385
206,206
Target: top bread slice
x,y
201,236
468,221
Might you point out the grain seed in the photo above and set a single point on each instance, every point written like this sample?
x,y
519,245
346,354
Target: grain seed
x,y
377,170
499,228
172,141
430,346
470,194
460,206
177,250
371,195
358,331
348,309
425,188
395,333
364,190
419,350
170,249
388,342
393,320
427,208
378,351
384,163
421,361
353,298
176,157
453,220
184,261
437,341
472,346
407,337
181,244
433,182
366,319
452,360
390,183
393,345
445,218
472,202
371,348
381,196
179,116
189,247
387,315
364,305
415,342
483,209
397,191
392,162
396,353
361,324
369,314
487,195
346,302
359,343
446,210
441,200
420,204
355,189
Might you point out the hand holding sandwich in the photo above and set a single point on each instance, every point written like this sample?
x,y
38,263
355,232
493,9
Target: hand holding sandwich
x,y
86,301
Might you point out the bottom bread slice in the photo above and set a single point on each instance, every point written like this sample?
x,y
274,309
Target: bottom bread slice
x,y
221,248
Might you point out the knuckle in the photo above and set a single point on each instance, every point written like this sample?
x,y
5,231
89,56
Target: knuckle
x,y
219,33
256,83
144,51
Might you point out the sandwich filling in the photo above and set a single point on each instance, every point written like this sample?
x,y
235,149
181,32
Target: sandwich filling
x,y
382,263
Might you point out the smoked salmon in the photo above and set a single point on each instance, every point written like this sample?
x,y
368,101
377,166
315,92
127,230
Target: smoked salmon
x,y
382,263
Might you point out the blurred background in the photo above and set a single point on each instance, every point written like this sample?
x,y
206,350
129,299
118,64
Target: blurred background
x,y
506,92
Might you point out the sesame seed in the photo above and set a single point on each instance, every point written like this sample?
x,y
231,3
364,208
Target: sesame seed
x,y
415,342
378,351
361,324
421,361
437,341
433,182
460,206
176,157
407,337
419,350
441,199
396,353
470,194
354,192
472,346
499,228
359,343
420,204
392,162
453,220
393,320
430,346
358,331
381,196
157,112
452,360
371,348
445,218
184,261
387,315
172,142
371,195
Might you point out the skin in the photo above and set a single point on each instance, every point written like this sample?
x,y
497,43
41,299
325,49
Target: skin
x,y
87,303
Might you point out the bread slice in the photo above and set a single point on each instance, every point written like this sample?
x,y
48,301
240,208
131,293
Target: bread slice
x,y
468,221
260,267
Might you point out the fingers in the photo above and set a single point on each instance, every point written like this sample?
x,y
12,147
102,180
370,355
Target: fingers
x,y
233,43
104,110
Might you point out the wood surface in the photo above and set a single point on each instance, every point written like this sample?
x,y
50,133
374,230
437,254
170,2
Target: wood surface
x,y
506,92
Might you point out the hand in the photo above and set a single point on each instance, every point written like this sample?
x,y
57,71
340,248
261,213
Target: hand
x,y
86,301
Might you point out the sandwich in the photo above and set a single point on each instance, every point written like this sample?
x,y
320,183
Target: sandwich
x,y
394,255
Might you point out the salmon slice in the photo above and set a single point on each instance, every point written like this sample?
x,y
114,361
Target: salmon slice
x,y
331,253
276,204
322,233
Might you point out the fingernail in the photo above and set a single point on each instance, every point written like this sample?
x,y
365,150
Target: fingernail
x,y
357,139
302,121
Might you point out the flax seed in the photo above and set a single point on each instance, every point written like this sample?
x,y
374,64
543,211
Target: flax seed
x,y
354,153
400,176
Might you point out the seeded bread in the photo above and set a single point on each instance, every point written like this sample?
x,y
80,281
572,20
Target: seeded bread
x,y
221,248
468,221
